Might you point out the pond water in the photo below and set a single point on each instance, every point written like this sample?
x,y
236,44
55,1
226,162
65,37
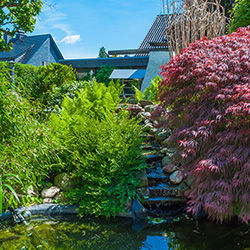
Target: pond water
x,y
121,234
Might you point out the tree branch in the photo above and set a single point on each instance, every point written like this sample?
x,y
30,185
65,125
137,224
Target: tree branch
x,y
8,5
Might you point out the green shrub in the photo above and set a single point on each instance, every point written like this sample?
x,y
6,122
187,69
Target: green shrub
x,y
103,74
101,147
57,96
95,99
151,92
25,144
39,82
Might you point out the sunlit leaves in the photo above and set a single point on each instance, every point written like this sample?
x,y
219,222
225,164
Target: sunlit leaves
x,y
16,16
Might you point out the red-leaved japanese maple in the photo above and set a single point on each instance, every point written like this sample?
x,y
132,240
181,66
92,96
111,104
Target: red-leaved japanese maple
x,y
207,89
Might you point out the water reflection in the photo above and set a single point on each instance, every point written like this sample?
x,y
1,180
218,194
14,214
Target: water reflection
x,y
95,234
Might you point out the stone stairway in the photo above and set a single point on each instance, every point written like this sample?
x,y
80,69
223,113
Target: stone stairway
x,y
161,191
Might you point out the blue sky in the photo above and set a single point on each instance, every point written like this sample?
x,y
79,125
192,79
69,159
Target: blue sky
x,y
81,27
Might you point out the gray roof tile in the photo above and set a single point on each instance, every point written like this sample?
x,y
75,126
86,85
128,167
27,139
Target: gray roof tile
x,y
26,46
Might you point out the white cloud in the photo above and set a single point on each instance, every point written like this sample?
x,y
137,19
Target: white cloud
x,y
71,39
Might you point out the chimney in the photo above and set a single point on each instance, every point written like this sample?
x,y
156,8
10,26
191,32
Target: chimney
x,y
7,38
20,34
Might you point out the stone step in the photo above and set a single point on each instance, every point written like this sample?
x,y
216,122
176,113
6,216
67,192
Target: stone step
x,y
147,136
157,176
149,147
164,190
154,157
165,200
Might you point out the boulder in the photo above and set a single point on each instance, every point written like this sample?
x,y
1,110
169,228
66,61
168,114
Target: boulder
x,y
161,134
150,108
146,114
176,177
48,200
143,192
134,110
144,103
65,181
147,127
50,192
32,191
166,161
152,130
169,169
131,101
147,121
61,198
142,176
164,151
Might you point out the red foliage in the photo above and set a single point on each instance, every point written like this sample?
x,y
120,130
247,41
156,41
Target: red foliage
x,y
207,89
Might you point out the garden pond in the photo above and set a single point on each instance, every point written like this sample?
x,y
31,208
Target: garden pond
x,y
180,232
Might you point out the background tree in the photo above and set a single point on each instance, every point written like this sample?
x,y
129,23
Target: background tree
x,y
103,74
102,53
228,5
191,21
16,15
241,14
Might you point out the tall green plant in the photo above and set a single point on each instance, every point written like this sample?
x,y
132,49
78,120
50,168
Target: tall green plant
x,y
6,183
101,147
38,83
25,144
151,92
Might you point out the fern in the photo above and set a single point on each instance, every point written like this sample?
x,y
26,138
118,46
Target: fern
x,y
99,146
150,93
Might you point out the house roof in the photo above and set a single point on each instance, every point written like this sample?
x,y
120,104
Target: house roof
x,y
156,36
114,61
26,46
127,74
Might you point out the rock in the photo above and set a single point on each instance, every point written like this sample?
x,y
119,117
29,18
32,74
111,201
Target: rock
x,y
144,103
182,189
166,161
128,205
50,192
143,192
134,110
161,134
167,151
147,121
150,108
131,101
169,169
152,130
142,176
65,181
32,191
176,177
147,127
61,198
164,150
144,115
155,123
48,200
